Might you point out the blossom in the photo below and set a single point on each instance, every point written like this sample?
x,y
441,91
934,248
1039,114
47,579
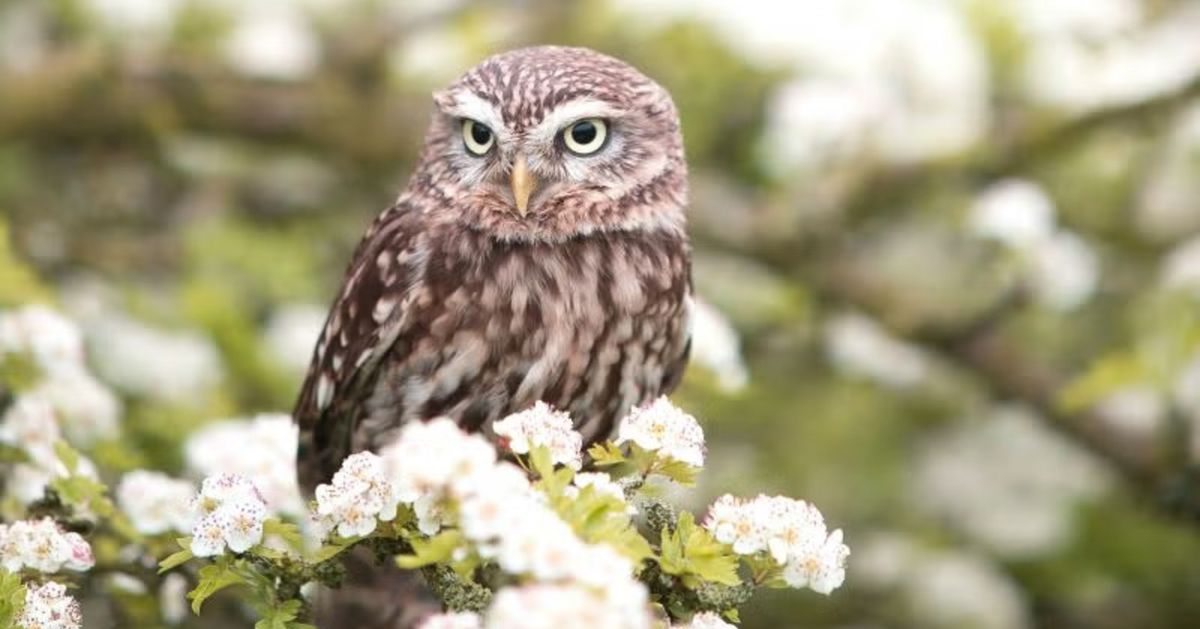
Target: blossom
x,y
44,546
1015,212
155,502
262,449
859,346
31,424
741,524
493,500
87,410
452,620
664,428
53,342
707,620
291,334
130,355
821,568
48,606
435,457
229,513
715,344
791,531
273,40
543,606
358,496
542,426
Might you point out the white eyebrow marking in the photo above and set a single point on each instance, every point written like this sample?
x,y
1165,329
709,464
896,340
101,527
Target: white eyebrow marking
x,y
467,104
567,113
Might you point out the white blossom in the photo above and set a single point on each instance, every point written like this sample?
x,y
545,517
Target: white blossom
x,y
715,344
453,620
707,620
859,346
155,503
542,426
87,410
31,424
433,457
229,514
291,334
1015,212
821,568
273,40
1065,271
172,598
44,546
53,342
543,606
1007,481
262,449
358,497
1181,267
664,428
489,509
157,364
48,606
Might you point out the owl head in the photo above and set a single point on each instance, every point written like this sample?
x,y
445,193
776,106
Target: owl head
x,y
551,143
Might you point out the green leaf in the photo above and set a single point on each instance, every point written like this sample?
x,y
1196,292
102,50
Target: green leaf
x,y
179,558
606,454
678,471
281,616
213,578
691,553
12,598
288,532
329,551
68,456
436,549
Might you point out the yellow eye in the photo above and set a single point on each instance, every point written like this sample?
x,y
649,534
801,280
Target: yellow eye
x,y
586,136
477,137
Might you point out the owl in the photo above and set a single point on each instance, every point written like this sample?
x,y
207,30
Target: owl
x,y
538,253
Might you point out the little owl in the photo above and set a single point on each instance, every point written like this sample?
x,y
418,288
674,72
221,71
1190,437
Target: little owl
x,y
538,253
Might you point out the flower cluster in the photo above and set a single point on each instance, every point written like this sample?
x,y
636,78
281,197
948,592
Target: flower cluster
x,y
664,428
43,545
791,532
48,606
262,449
358,498
229,513
155,502
542,426
56,397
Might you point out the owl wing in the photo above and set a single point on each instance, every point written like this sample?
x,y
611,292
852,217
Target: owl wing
x,y
372,309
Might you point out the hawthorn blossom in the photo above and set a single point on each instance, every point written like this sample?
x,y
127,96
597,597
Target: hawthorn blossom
x,y
743,525
357,498
229,513
155,502
262,449
53,342
48,606
31,424
663,427
821,568
707,620
435,457
542,426
453,620
493,502
792,532
88,410
543,606
44,546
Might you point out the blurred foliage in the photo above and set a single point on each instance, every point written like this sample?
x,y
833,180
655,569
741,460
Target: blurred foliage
x,y
206,197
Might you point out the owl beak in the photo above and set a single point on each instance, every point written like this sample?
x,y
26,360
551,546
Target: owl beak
x,y
523,184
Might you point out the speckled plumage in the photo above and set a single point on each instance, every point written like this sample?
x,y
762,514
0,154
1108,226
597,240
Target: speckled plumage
x,y
458,304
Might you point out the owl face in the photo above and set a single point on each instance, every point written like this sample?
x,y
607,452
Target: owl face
x,y
550,143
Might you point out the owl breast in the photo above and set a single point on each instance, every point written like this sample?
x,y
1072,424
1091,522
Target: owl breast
x,y
594,326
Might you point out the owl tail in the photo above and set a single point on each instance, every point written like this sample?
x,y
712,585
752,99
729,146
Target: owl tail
x,y
375,596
